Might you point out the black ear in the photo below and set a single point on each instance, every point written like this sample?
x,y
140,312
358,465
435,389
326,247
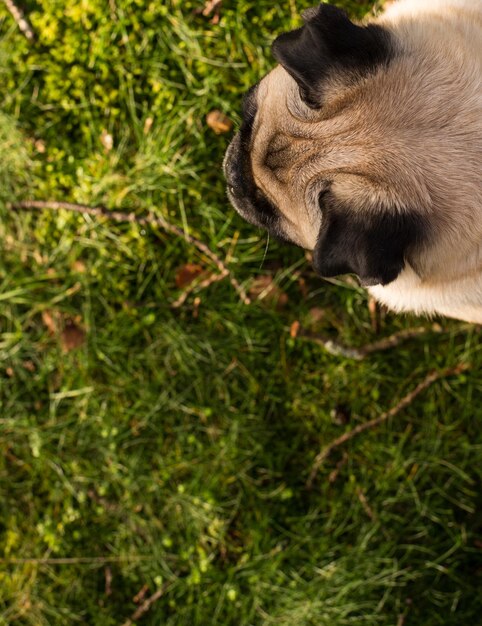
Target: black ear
x,y
373,246
328,41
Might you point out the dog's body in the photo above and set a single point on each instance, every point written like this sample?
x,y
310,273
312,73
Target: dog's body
x,y
365,146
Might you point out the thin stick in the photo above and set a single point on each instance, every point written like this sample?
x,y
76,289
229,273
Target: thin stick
x,y
358,354
19,17
332,346
341,463
89,560
404,402
108,581
146,605
397,338
366,507
141,594
150,220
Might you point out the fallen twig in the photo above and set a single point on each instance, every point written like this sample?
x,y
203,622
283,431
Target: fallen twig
x,y
108,581
334,473
19,17
146,605
366,507
74,560
141,594
404,402
150,220
358,354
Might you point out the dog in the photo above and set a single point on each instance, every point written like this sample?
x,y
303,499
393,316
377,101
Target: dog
x,y
364,145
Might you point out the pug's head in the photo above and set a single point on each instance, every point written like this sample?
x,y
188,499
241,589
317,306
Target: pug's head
x,y
334,149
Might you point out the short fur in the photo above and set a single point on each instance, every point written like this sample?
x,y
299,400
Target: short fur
x,y
365,146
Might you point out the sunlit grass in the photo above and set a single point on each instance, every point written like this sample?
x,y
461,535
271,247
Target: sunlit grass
x,y
172,446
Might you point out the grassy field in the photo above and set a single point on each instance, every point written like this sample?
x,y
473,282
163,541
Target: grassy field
x,y
157,452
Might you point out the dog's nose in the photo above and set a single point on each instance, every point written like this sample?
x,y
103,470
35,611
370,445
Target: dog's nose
x,y
231,167
229,173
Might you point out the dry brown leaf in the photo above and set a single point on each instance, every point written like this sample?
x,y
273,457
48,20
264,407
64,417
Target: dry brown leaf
x,y
373,311
40,146
211,7
315,315
303,287
71,331
187,273
79,267
40,259
219,122
72,336
148,125
29,366
294,329
50,320
264,288
106,140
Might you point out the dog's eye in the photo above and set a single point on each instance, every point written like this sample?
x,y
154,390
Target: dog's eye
x,y
300,109
304,97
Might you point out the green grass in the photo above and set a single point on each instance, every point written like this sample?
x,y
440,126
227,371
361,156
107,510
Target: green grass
x,y
173,445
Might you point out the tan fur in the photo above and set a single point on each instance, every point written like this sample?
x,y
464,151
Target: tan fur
x,y
409,135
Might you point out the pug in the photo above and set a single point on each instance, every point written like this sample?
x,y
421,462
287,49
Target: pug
x,y
364,145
